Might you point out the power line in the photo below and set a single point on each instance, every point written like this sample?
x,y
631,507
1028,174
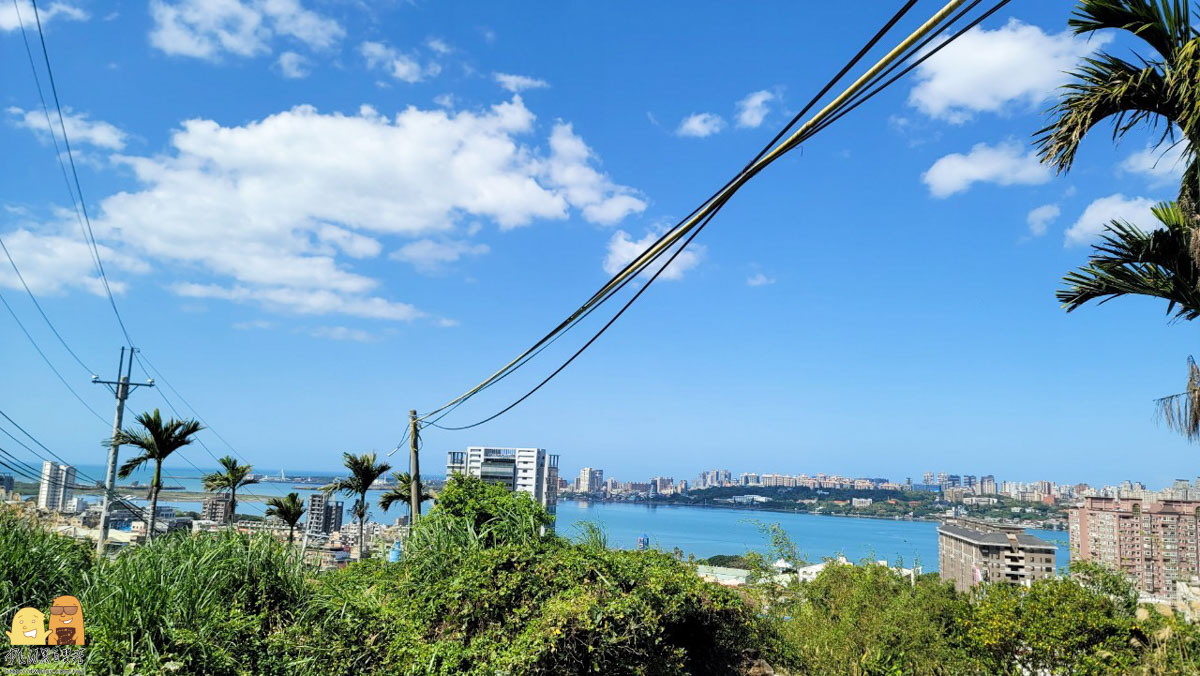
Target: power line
x,y
41,311
700,217
75,174
46,359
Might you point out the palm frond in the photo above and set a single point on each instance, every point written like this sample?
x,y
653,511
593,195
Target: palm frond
x,y
1106,86
1130,261
1162,24
1181,412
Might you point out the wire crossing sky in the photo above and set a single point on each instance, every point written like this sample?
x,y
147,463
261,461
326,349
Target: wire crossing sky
x,y
315,216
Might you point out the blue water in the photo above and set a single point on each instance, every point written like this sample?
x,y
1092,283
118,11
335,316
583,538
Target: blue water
x,y
700,531
707,531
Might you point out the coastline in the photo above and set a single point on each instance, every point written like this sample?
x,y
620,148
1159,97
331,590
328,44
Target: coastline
x,y
752,508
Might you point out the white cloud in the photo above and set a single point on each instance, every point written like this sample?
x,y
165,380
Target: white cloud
x,y
1003,164
518,83
12,16
79,128
700,125
1116,207
439,45
759,279
622,249
1162,165
991,70
399,65
429,255
293,66
753,109
56,259
570,170
342,333
1041,218
206,29
278,212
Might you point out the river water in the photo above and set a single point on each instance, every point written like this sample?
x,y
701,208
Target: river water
x,y
701,531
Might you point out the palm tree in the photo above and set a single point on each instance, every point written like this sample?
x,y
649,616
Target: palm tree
x,y
289,510
364,471
1158,91
1129,261
157,440
233,477
403,493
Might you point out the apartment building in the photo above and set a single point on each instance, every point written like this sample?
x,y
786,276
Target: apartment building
x,y
215,508
324,514
1154,543
590,480
971,552
56,487
528,470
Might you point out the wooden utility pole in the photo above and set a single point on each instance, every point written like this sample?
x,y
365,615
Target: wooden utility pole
x,y
414,469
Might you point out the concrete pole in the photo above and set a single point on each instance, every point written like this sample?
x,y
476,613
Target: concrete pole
x,y
110,476
414,470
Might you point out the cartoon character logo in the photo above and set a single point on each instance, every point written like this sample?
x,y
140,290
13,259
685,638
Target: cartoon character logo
x,y
28,627
66,622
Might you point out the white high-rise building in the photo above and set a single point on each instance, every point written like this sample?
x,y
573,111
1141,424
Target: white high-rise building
x,y
529,470
590,480
56,488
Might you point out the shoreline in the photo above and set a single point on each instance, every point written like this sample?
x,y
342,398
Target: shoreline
x,y
738,508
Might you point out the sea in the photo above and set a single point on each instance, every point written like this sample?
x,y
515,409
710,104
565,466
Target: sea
x,y
698,531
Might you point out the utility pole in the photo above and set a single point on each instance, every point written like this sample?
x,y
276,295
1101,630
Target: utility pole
x,y
414,466
120,388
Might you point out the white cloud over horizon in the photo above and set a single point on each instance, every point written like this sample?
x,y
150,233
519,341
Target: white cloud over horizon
x,y
275,212
759,279
209,29
1007,163
700,125
753,109
1101,212
1016,65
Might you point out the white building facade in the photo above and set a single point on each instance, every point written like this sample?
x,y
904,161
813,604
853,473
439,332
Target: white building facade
x,y
56,488
528,470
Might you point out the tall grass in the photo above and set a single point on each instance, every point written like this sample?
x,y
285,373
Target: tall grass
x,y
36,565
203,604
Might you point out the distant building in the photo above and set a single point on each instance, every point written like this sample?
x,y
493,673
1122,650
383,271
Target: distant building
x,y
324,515
55,490
1155,544
527,470
971,552
215,508
987,485
590,480
6,484
861,502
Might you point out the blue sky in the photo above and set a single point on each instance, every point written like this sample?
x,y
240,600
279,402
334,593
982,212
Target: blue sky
x,y
318,214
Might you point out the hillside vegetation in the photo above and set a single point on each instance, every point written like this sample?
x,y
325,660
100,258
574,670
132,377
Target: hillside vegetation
x,y
480,590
